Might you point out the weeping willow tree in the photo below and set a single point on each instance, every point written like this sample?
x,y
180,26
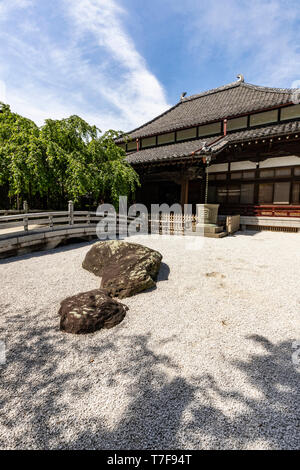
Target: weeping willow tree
x,y
64,159
22,160
83,162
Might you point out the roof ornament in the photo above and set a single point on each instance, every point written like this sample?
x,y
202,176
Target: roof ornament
x,y
182,95
208,160
204,148
240,78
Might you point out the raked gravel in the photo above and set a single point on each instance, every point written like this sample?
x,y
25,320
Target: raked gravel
x,y
204,361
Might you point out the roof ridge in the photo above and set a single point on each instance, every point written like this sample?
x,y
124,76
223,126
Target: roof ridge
x,y
269,89
236,84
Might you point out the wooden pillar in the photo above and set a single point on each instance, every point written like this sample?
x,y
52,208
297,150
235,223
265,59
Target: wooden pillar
x,y
71,212
184,191
256,185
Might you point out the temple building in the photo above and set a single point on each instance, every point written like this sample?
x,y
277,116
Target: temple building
x,y
245,137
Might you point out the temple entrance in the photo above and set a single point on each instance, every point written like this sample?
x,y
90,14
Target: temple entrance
x,y
159,192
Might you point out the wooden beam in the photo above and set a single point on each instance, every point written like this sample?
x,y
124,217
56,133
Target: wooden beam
x,y
184,191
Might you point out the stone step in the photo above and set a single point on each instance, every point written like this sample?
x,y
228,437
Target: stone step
x,y
219,229
216,235
209,228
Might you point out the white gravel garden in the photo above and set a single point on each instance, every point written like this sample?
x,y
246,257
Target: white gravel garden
x,y
202,361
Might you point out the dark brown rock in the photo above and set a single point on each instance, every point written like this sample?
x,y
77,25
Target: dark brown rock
x,y
125,268
90,311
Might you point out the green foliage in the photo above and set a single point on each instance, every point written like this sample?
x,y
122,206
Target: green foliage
x,y
21,155
63,159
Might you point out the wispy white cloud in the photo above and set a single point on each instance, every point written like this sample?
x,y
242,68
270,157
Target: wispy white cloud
x,y
135,92
260,38
95,70
7,6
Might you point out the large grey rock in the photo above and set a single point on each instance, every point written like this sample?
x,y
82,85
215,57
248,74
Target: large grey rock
x,y
125,268
90,311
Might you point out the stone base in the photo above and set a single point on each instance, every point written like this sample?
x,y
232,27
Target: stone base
x,y
210,230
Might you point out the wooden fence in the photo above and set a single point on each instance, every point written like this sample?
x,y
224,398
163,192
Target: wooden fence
x,y
45,221
168,224
48,219
172,224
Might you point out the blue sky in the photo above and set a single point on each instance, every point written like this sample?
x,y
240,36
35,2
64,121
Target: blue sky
x,y
119,63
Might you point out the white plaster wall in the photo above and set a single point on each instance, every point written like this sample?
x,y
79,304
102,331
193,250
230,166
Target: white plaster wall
x,y
291,160
218,168
247,165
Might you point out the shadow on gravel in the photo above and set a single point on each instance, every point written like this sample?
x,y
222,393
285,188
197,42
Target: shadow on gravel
x,y
41,393
272,418
164,272
53,251
246,233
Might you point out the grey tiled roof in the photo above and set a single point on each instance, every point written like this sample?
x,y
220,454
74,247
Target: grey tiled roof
x,y
185,149
283,128
229,100
167,152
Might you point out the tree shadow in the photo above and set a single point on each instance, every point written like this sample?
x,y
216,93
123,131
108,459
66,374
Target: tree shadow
x,y
40,385
271,417
156,404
